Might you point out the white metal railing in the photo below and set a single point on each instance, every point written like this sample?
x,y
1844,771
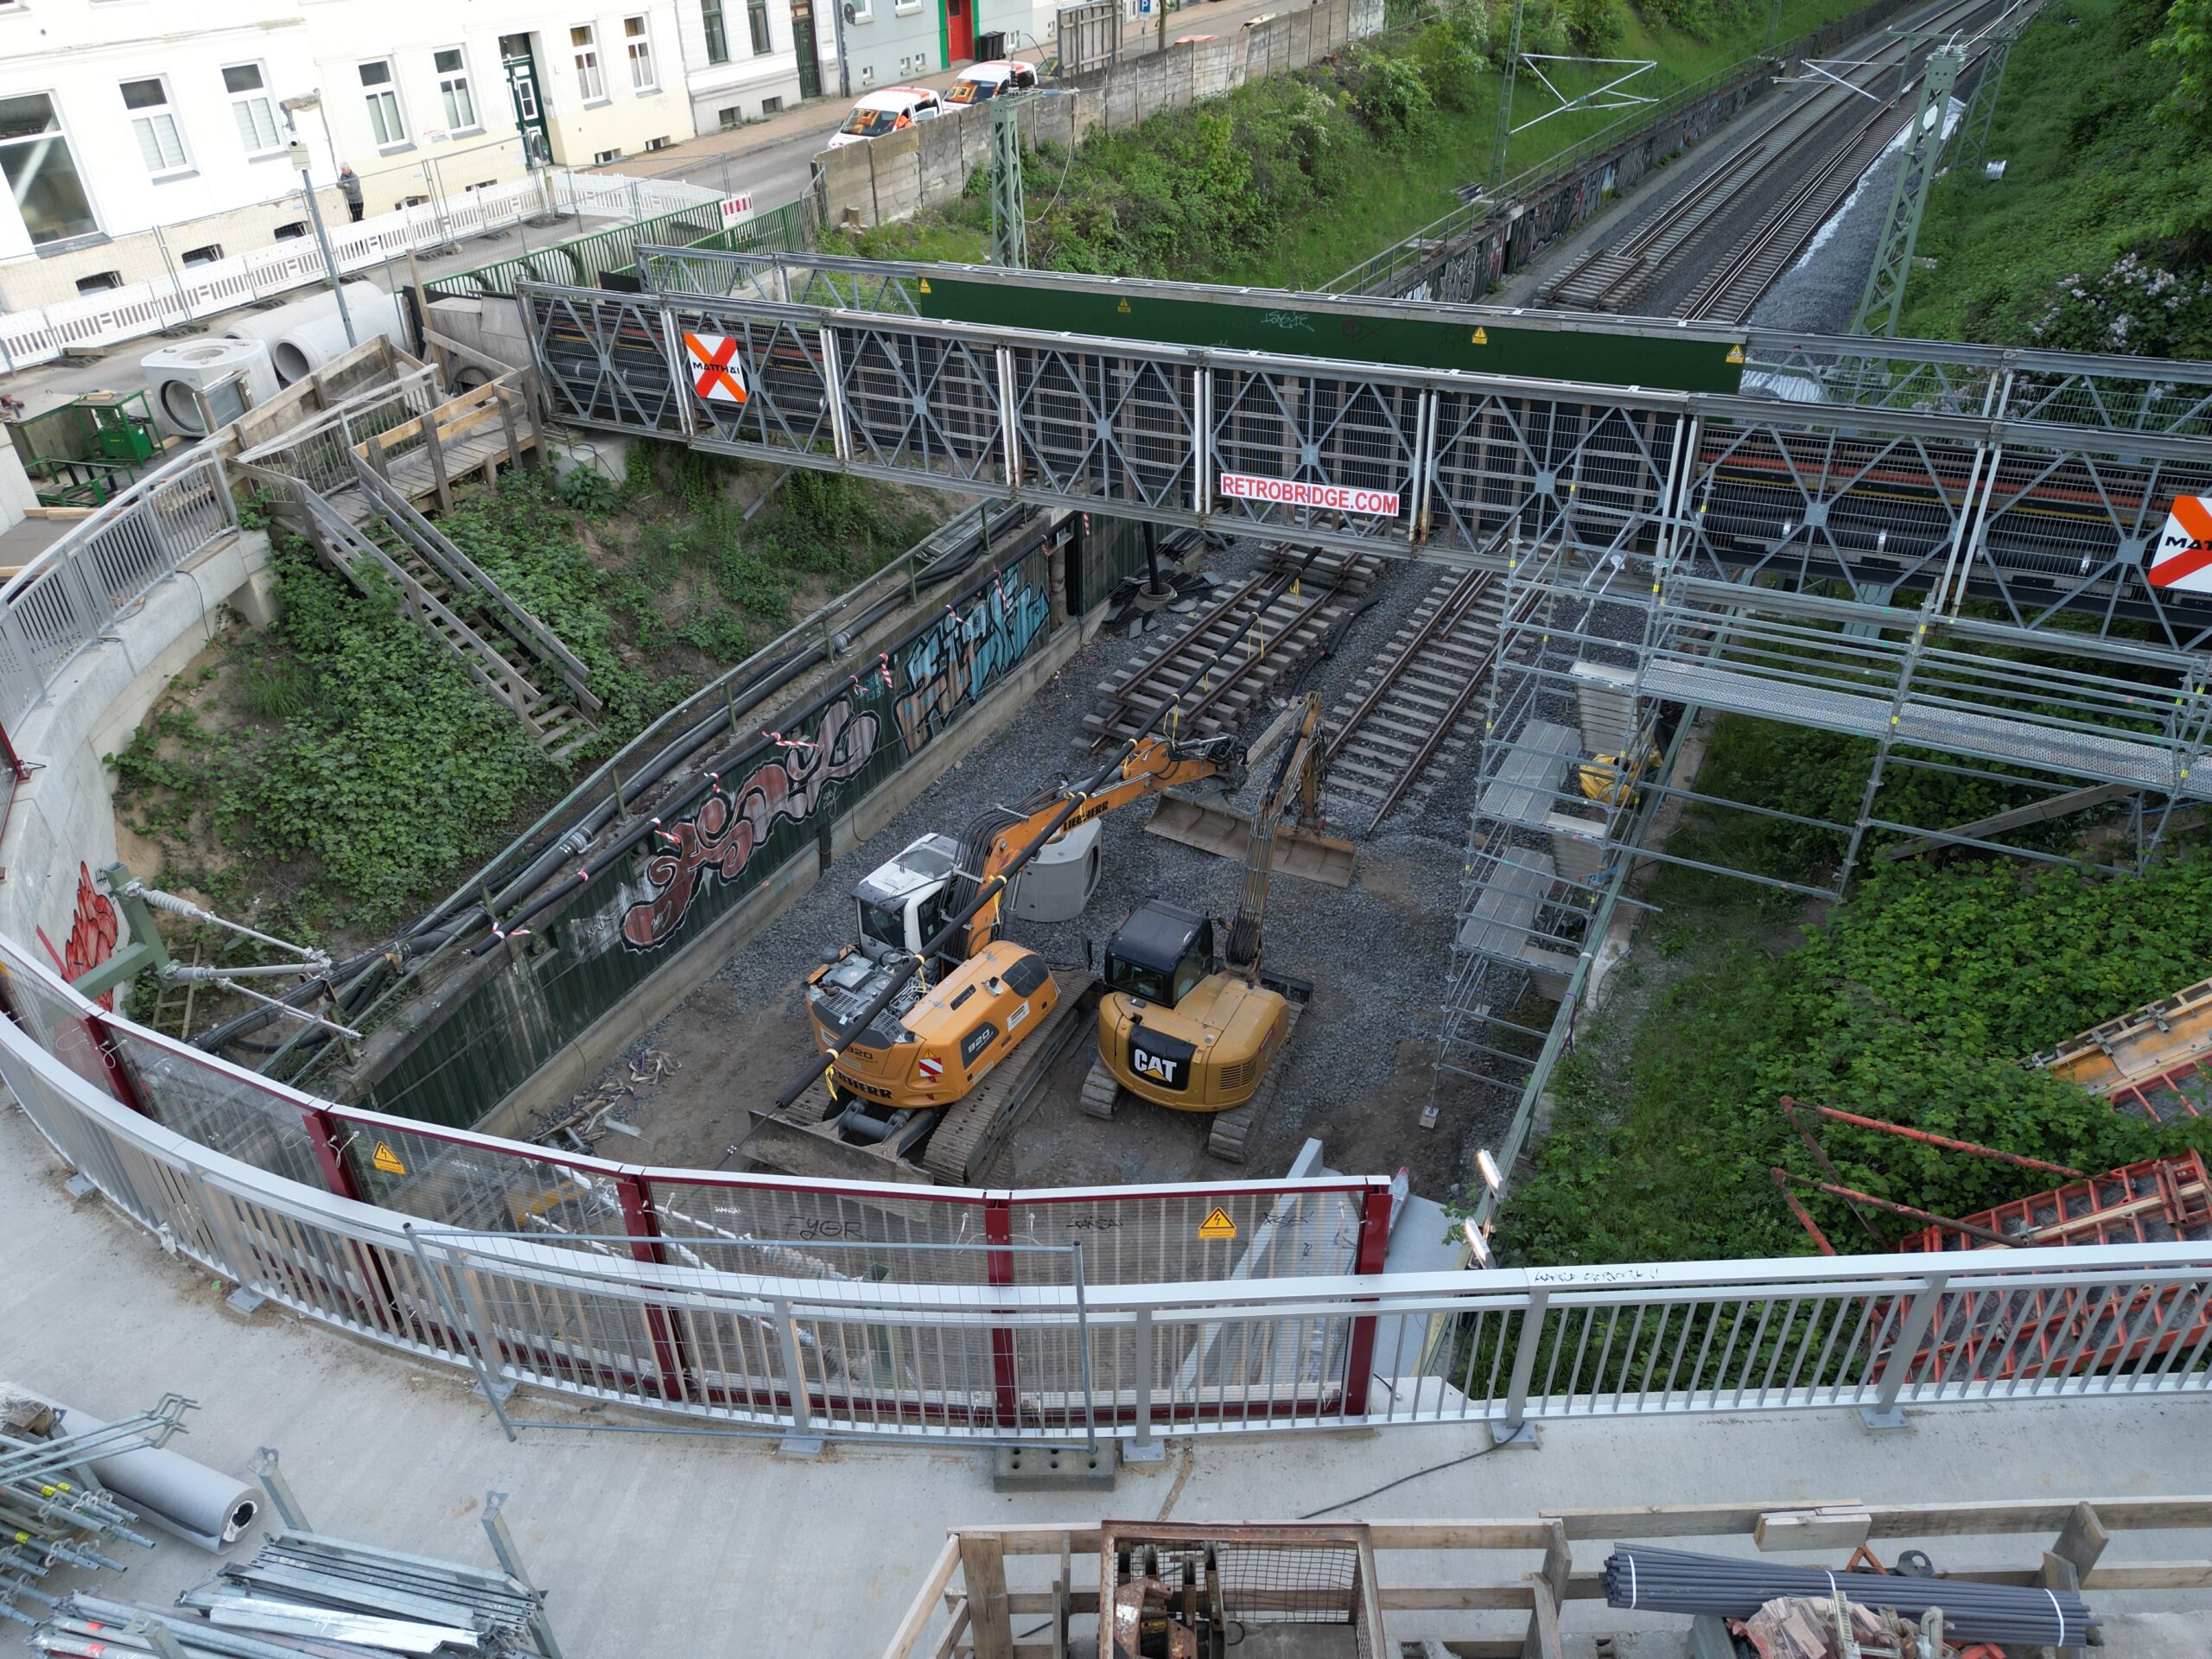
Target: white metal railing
x,y
71,593
41,333
874,1357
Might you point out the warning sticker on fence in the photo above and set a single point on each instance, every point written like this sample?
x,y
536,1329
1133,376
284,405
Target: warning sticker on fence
x,y
1217,1225
388,1160
2182,557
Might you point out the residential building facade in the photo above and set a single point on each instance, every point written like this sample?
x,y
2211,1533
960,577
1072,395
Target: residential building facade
x,y
890,41
744,60
136,141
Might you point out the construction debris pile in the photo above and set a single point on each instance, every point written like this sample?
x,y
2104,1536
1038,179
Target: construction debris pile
x,y
303,1593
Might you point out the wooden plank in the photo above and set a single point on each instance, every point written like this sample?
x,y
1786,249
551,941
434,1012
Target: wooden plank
x,y
1559,1562
1029,1539
953,1631
1844,1529
2058,1574
982,1569
1460,1535
925,1602
1679,1520
1543,1640
434,447
1495,1598
2083,1539
2040,1515
2055,806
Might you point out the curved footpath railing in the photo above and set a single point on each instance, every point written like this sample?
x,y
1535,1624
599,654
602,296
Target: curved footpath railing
x,y
894,1313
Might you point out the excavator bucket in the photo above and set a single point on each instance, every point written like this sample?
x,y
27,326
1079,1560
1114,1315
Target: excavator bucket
x,y
1215,830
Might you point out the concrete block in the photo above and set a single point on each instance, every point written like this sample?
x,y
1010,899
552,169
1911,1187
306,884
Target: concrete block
x,y
1052,1468
255,600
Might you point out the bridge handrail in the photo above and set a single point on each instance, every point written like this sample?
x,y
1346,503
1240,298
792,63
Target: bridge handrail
x,y
662,1329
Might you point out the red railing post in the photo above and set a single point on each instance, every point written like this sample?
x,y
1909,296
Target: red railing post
x,y
638,1221
328,1136
998,1229
120,1082
1373,1245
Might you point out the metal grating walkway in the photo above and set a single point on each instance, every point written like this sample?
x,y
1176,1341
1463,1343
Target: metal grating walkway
x,y
2107,757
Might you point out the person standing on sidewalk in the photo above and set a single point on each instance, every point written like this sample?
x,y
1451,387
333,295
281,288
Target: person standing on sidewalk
x,y
349,186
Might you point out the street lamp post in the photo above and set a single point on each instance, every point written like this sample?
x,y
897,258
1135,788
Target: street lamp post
x,y
302,160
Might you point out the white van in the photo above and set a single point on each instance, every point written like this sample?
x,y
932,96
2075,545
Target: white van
x,y
892,110
979,83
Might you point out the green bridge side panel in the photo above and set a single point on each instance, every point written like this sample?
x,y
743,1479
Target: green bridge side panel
x,y
1589,355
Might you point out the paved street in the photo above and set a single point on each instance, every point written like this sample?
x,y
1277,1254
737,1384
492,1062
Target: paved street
x,y
773,158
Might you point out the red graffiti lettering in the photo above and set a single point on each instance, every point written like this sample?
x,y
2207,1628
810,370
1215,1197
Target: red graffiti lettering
x,y
92,931
721,836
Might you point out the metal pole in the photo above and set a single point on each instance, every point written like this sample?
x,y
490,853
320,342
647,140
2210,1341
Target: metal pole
x,y
469,1341
1884,1414
1143,1448
280,1490
1524,1360
503,1546
1083,1353
321,236
844,73
1505,94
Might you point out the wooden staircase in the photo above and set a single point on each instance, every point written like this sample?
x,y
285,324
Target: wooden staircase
x,y
446,592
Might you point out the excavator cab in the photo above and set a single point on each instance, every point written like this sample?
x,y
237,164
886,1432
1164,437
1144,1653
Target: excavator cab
x,y
1161,954
902,904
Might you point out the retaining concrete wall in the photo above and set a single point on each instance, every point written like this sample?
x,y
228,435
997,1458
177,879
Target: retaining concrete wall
x,y
61,828
892,177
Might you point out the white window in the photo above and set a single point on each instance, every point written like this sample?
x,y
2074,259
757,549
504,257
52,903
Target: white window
x,y
38,169
384,102
639,45
453,87
863,11
250,108
155,122
592,84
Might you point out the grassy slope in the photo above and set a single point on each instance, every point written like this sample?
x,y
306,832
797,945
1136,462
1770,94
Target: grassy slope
x,y
1382,193
2091,171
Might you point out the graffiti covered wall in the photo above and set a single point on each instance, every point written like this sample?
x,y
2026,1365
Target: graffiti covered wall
x,y
729,837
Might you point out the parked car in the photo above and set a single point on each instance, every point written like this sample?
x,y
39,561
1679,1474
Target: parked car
x,y
979,83
892,110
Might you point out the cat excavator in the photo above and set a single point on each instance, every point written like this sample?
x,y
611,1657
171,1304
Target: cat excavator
x,y
1182,1030
927,1074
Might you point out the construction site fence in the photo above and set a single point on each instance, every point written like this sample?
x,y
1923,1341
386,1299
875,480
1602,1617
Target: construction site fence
x,y
584,261
71,593
774,1305
1565,189
193,292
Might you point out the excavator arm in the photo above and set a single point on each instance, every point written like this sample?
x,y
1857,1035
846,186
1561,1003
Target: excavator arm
x,y
1297,778
997,840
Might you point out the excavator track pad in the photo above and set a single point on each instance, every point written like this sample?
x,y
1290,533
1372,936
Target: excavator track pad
x,y
1232,1129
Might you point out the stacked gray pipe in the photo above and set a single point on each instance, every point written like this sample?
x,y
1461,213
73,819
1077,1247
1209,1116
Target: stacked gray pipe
x,y
168,1489
305,335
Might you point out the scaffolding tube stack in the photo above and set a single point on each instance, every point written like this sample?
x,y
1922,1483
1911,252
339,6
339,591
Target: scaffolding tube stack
x,y
1679,1582
54,1515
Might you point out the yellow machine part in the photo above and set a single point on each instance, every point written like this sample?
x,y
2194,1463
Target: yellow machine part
x,y
1207,1053
964,1025
1607,781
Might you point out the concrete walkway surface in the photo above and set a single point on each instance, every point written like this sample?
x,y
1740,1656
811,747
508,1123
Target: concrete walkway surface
x,y
692,1548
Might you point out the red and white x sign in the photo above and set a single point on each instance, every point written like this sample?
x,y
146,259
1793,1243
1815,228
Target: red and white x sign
x,y
721,379
2182,558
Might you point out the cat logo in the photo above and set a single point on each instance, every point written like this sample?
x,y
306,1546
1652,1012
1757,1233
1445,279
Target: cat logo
x,y
1159,1067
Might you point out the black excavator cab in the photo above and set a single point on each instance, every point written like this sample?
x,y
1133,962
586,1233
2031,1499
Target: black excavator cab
x,y
1161,952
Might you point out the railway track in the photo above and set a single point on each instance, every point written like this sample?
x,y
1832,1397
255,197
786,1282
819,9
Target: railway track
x,y
1251,633
1746,222
1403,713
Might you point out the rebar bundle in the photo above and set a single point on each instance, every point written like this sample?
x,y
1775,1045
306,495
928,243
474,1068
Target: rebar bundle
x,y
1679,1582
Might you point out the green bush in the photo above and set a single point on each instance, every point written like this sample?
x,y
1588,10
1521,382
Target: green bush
x,y
1594,28
1393,100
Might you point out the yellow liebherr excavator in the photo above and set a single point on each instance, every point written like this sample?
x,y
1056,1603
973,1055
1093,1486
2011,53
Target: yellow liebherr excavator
x,y
1178,1030
928,1063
